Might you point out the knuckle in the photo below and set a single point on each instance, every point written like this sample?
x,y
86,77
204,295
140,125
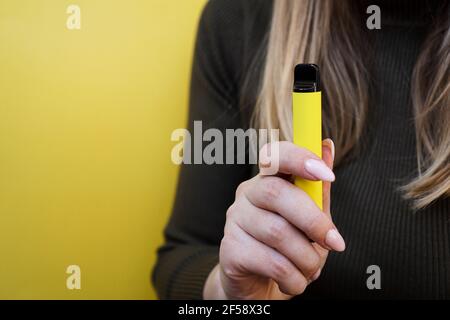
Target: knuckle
x,y
296,286
301,286
228,257
228,269
317,223
228,229
313,264
277,231
240,189
232,211
224,242
280,269
271,189
226,247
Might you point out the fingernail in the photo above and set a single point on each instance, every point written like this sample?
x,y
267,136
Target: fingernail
x,y
335,241
332,147
316,275
319,170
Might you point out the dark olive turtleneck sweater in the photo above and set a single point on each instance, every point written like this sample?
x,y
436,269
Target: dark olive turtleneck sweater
x,y
412,249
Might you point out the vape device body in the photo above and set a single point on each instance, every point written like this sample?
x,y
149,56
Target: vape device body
x,y
307,121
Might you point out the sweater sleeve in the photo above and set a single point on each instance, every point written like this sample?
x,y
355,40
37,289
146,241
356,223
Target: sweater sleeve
x,y
204,192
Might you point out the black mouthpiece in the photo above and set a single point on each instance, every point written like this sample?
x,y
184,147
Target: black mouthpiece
x,y
306,78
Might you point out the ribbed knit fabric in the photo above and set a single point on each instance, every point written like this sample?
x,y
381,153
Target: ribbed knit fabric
x,y
411,249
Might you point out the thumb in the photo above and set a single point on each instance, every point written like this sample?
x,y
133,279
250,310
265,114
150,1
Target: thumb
x,y
328,152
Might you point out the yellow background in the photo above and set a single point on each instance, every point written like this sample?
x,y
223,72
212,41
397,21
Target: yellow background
x,y
85,123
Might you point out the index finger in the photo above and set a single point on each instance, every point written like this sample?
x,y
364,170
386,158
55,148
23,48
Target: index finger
x,y
294,160
281,197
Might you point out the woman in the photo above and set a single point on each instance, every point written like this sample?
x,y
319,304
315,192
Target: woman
x,y
238,234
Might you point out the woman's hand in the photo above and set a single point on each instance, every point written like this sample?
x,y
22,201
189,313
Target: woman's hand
x,y
276,239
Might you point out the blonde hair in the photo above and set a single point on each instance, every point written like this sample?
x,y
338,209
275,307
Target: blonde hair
x,y
326,33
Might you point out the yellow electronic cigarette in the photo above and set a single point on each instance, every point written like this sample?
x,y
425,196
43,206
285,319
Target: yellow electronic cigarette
x,y
307,120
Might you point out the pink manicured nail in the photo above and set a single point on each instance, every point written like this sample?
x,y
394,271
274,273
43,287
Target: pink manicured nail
x,y
319,170
335,241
